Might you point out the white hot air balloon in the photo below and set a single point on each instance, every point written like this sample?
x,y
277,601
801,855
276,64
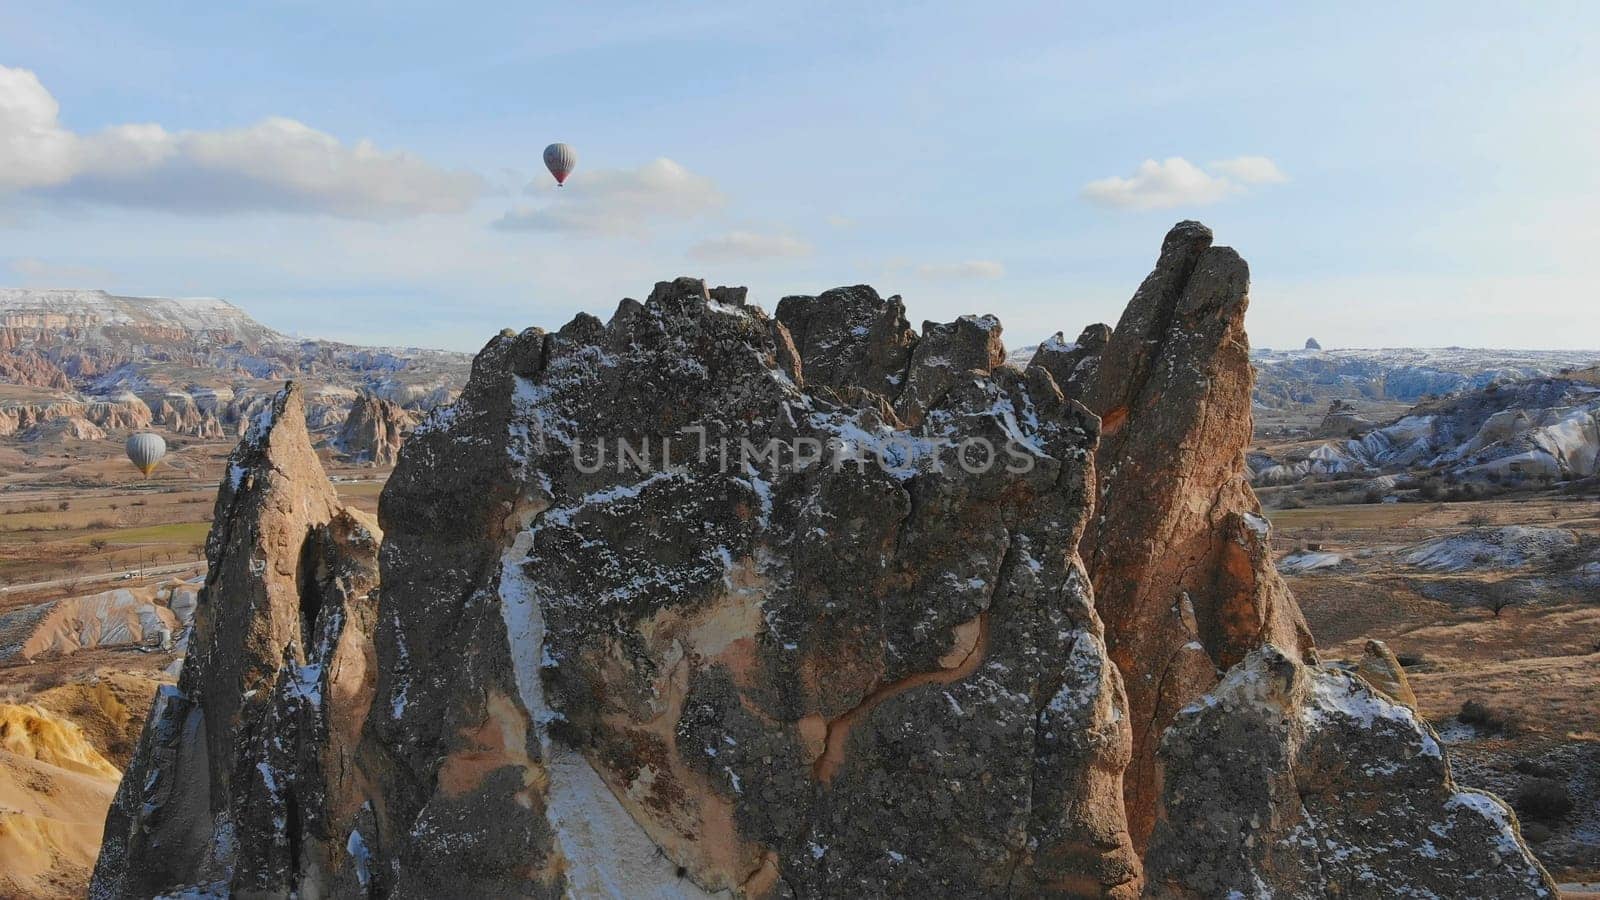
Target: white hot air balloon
x,y
559,159
145,451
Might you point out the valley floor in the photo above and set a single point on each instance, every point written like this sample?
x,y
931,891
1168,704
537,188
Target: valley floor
x,y
1530,671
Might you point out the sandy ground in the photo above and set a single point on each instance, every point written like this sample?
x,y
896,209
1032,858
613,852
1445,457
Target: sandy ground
x,y
54,791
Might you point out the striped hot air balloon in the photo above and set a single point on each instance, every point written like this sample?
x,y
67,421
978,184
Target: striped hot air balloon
x,y
559,159
145,451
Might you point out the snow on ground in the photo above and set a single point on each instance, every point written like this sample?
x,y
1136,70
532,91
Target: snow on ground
x,y
1309,561
1508,547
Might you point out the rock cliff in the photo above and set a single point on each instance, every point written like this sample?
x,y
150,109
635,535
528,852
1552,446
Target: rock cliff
x,y
1178,550
697,602
774,676
373,431
190,367
1297,781
244,780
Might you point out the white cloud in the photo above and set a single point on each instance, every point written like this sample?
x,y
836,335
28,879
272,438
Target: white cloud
x,y
1251,170
746,245
975,268
34,149
1178,182
618,201
277,164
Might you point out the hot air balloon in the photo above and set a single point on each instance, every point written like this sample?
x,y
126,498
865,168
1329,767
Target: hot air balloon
x,y
559,159
145,450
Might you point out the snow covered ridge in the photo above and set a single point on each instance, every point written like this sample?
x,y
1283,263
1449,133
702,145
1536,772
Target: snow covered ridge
x,y
195,367
1392,373
1448,358
28,308
1540,429
1404,374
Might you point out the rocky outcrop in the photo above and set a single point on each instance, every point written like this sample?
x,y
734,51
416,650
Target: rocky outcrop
x,y
30,411
1383,671
63,430
180,414
1074,366
373,431
33,369
850,337
670,609
1344,420
838,676
1313,344
946,354
244,781
1293,780
121,412
1178,549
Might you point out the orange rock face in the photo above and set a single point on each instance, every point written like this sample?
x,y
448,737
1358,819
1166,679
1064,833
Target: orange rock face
x,y
1177,548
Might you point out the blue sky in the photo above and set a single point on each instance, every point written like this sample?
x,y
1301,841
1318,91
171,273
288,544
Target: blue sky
x,y
1422,175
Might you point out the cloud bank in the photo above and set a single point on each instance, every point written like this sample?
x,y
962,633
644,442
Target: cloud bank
x,y
276,165
1177,182
986,269
618,201
740,246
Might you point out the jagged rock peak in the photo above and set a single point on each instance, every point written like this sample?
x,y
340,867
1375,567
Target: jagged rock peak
x,y
1178,549
670,608
868,672
851,337
373,430
241,781
1294,780
1074,366
1383,671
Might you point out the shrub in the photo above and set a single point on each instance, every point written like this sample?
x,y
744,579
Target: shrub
x,y
1478,519
1543,799
1536,832
1536,769
46,681
1484,718
1430,489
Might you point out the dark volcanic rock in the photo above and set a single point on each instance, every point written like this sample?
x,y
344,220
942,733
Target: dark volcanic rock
x,y
946,354
1183,574
850,337
800,678
699,603
1074,366
243,780
1299,781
